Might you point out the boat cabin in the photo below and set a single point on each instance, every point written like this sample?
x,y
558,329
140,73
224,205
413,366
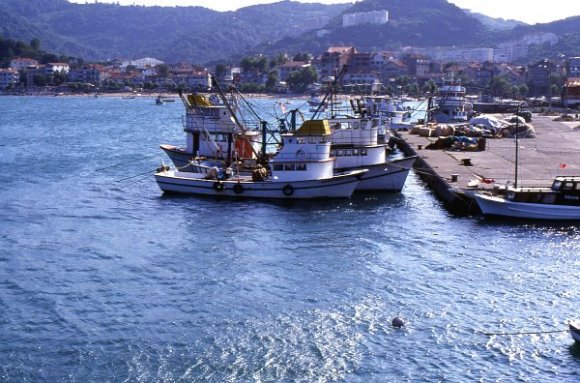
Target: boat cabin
x,y
564,191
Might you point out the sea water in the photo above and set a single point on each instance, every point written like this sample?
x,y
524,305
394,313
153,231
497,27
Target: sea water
x,y
105,279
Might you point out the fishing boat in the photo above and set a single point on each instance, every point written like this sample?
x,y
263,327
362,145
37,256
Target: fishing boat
x,y
301,169
392,112
213,132
575,330
451,104
559,202
355,145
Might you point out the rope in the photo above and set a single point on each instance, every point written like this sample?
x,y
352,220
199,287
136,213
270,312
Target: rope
x,y
137,175
127,162
524,333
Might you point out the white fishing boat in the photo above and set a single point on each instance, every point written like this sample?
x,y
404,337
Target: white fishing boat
x,y
451,104
213,132
355,145
391,112
302,169
559,202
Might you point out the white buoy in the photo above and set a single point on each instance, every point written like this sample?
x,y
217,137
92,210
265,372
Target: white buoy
x,y
398,322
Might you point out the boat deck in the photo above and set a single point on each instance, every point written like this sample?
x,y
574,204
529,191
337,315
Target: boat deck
x,y
554,151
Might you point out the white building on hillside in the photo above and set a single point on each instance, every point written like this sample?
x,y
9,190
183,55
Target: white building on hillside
x,y
143,63
374,17
8,77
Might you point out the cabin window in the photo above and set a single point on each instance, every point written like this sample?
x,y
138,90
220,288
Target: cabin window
x,y
312,140
577,186
289,167
355,125
340,153
568,186
348,153
300,167
332,153
278,167
363,152
289,140
355,152
299,140
556,185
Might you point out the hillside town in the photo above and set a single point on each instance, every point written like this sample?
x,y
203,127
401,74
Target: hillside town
x,y
485,72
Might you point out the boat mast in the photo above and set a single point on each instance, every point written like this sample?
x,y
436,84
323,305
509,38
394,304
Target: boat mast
x,y
517,145
330,92
234,116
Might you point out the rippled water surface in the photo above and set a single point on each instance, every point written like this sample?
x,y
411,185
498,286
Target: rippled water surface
x,y
102,278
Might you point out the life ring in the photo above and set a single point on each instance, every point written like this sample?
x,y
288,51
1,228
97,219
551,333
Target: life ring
x,y
218,186
238,188
288,190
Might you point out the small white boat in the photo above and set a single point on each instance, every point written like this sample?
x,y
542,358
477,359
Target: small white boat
x,y
302,169
575,330
560,202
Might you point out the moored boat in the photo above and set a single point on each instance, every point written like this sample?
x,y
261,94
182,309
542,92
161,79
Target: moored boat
x,y
302,169
213,132
451,104
575,330
559,202
355,145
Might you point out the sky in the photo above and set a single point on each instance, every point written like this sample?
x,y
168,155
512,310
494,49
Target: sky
x,y
529,11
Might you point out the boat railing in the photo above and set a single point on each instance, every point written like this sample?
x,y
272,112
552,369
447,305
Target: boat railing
x,y
300,156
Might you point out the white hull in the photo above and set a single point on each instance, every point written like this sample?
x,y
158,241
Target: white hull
x,y
389,177
499,206
339,186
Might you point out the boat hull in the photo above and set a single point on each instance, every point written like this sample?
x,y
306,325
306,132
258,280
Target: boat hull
x,y
339,186
388,177
180,157
499,206
575,331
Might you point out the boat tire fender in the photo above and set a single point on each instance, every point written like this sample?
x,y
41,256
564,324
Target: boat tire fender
x,y
238,188
218,186
288,190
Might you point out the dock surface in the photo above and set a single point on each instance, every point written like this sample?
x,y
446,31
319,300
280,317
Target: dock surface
x,y
554,151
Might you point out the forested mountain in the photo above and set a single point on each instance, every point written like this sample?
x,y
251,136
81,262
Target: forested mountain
x,y
196,34
496,24
419,23
96,31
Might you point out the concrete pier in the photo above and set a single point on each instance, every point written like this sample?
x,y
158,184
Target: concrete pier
x,y
554,151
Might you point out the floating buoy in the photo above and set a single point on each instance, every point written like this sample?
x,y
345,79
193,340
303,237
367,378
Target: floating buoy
x,y
398,322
